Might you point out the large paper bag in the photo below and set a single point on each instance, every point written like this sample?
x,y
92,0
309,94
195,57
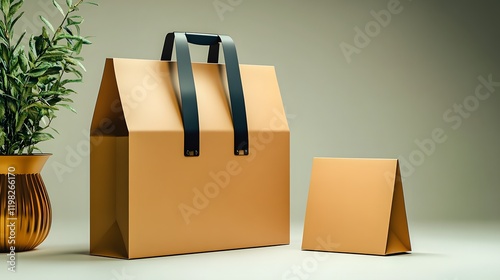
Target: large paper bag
x,y
184,159
356,206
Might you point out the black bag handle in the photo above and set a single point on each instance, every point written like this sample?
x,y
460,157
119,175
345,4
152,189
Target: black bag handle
x,y
188,91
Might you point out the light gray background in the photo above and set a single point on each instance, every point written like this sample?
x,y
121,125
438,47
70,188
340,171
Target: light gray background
x,y
392,94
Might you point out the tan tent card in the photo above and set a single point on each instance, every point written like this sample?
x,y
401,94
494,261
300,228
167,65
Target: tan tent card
x,y
356,206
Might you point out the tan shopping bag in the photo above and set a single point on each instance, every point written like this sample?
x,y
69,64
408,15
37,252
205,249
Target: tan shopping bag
x,y
356,206
184,159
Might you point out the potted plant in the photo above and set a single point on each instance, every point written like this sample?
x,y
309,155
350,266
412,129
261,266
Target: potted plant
x,y
35,78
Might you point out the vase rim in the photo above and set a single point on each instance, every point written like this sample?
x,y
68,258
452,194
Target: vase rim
x,y
23,164
28,155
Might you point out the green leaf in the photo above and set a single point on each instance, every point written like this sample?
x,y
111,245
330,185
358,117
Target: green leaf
x,y
74,37
20,121
67,100
5,80
58,51
2,113
3,28
49,92
19,41
47,23
5,7
3,136
33,148
70,61
54,101
77,48
12,107
55,130
15,7
16,19
81,65
45,37
71,81
58,7
35,105
46,81
40,137
53,56
67,29
13,148
85,41
74,20
68,107
37,72
69,91
77,27
23,62
53,70
69,3
3,42
33,46
15,80
7,96
74,71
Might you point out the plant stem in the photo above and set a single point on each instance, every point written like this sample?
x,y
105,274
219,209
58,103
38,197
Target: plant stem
x,y
70,10
59,29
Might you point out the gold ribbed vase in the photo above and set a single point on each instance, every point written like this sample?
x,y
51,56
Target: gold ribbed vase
x,y
25,211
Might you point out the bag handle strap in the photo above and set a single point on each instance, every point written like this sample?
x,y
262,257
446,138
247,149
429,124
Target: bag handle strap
x,y
188,91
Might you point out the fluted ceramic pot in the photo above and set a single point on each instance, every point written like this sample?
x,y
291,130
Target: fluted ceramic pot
x,y
25,211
